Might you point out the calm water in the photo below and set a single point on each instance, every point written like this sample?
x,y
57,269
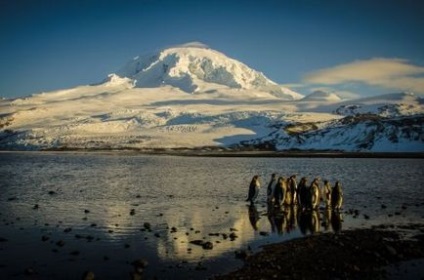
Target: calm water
x,y
93,209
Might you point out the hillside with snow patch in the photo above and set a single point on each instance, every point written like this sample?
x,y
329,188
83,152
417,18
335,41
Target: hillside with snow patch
x,y
193,97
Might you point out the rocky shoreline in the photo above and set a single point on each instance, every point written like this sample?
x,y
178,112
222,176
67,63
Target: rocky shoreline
x,y
220,152
351,254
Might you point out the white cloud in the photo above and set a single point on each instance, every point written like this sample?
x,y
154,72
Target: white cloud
x,y
395,74
343,94
293,85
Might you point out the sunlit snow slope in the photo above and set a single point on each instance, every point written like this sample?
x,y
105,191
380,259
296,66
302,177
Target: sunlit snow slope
x,y
193,97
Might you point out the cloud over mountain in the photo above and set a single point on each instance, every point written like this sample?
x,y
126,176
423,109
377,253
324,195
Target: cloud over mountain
x,y
396,74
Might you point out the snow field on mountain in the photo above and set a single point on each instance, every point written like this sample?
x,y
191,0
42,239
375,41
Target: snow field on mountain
x,y
106,115
145,118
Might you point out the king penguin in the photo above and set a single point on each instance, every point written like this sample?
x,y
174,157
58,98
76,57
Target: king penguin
x,y
326,193
271,187
293,189
303,196
254,189
337,196
280,191
314,189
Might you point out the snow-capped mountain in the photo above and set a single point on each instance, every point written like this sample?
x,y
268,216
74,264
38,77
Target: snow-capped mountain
x,y
193,97
194,67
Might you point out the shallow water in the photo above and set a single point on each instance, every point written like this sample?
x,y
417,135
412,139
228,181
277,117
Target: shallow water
x,y
182,199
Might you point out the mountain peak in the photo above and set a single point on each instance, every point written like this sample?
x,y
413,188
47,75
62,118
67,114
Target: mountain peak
x,y
194,67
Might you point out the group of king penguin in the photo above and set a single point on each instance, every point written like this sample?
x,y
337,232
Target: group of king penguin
x,y
284,191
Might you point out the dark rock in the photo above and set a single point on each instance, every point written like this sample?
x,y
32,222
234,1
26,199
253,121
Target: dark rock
x,y
75,253
419,237
207,245
135,275
139,265
391,250
242,254
200,266
88,275
30,271
89,238
233,236
197,242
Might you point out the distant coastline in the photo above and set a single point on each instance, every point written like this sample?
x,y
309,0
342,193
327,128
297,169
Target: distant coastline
x,y
234,153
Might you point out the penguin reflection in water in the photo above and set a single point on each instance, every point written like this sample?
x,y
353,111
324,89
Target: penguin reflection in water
x,y
253,216
309,221
253,189
336,221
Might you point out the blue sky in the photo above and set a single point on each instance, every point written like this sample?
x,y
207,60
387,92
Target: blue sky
x,y
349,47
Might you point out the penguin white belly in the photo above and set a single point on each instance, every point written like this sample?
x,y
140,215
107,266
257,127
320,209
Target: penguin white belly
x,y
315,197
